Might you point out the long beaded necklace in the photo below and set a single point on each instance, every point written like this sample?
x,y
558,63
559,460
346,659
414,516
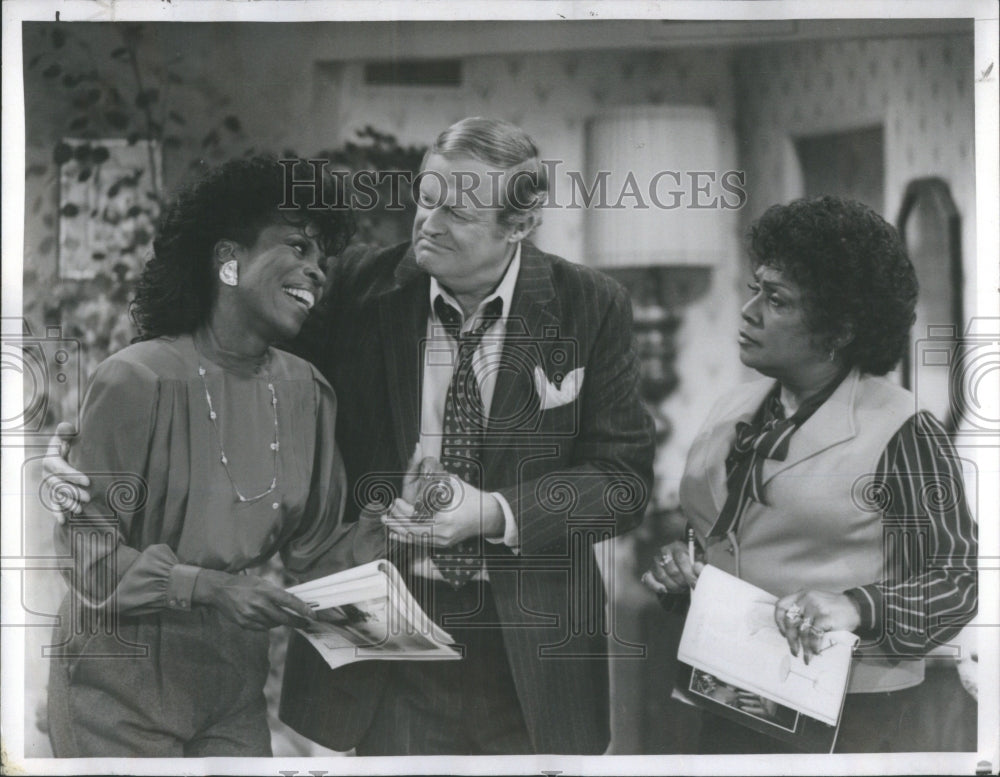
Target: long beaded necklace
x,y
212,415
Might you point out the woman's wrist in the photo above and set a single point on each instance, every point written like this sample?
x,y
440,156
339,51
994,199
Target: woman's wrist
x,y
206,585
858,622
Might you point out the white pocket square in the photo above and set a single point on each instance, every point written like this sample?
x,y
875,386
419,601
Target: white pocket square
x,y
552,396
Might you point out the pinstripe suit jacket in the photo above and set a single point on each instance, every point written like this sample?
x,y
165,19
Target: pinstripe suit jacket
x,y
573,475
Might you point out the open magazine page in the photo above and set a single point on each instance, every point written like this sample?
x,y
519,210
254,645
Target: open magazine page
x,y
367,613
739,664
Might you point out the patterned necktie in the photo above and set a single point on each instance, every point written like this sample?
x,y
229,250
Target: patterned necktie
x,y
464,427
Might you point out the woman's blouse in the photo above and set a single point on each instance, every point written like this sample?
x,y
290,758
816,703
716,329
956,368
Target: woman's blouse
x,y
932,589
163,505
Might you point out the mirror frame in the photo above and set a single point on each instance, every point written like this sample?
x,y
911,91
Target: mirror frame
x,y
936,191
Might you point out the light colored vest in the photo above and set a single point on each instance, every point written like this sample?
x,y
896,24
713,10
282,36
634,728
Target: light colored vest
x,y
819,528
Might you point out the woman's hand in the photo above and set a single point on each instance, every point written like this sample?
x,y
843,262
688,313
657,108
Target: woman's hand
x,y
249,601
804,617
64,489
672,571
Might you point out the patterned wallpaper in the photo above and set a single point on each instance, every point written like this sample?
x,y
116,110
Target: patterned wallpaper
x,y
550,95
919,89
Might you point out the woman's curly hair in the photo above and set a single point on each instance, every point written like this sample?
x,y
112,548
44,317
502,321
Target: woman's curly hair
x,y
853,270
234,201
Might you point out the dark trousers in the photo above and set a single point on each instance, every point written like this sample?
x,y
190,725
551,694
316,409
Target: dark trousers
x,y
936,716
466,707
193,688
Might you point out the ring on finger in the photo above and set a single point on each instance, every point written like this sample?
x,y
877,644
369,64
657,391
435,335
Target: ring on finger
x,y
665,559
806,624
793,613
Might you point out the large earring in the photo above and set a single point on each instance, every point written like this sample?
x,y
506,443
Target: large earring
x,y
833,354
229,273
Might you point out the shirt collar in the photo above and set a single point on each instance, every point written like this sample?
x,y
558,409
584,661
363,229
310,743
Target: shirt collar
x,y
504,290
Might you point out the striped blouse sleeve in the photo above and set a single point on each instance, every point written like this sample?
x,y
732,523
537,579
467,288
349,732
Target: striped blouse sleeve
x,y
930,587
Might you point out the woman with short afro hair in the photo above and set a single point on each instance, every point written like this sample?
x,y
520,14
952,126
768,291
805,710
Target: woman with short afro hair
x,y
824,484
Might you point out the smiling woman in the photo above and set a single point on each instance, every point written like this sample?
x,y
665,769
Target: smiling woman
x,y
277,281
233,210
225,447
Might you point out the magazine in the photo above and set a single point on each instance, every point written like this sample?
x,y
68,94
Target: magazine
x,y
367,612
734,661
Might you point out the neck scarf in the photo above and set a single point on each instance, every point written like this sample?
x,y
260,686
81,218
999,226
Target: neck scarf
x,y
766,436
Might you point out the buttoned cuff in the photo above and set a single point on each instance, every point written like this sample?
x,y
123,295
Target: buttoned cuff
x,y
180,585
510,534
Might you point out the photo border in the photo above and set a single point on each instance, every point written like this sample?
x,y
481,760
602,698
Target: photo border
x,y
986,457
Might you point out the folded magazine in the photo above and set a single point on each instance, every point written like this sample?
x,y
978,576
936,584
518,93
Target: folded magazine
x,y
734,661
367,612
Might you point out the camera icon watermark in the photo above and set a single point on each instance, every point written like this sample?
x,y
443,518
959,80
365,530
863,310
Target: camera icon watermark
x,y
961,372
48,368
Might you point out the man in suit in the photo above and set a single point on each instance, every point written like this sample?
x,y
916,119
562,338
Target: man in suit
x,y
515,370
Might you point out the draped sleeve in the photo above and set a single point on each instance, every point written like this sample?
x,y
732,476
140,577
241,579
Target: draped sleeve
x,y
117,424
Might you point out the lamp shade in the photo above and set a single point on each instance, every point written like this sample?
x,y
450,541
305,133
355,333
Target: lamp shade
x,y
659,194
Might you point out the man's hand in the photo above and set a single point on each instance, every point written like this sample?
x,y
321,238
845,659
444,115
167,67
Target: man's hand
x,y
672,571
63,486
468,513
804,617
249,601
418,469
426,485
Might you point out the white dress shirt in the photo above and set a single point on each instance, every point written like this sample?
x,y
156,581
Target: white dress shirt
x,y
440,356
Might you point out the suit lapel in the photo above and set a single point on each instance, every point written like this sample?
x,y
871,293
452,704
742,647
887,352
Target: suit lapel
x,y
403,312
530,322
831,424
